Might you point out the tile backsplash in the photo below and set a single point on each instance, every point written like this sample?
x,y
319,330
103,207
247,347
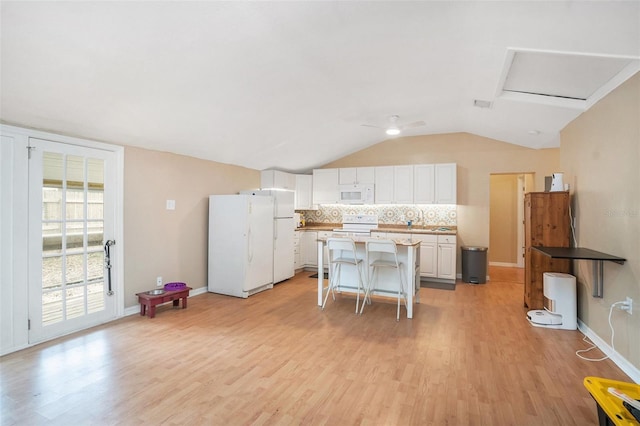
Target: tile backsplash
x,y
388,214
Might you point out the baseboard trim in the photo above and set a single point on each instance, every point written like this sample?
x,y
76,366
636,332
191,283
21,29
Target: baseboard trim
x,y
622,363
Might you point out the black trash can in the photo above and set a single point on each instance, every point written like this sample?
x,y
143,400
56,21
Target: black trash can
x,y
474,265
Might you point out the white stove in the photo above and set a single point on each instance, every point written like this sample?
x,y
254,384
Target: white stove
x,y
358,224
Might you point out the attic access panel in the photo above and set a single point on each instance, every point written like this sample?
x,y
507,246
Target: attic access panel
x,y
562,76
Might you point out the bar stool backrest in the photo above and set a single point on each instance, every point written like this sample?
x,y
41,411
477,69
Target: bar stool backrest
x,y
382,252
382,246
344,247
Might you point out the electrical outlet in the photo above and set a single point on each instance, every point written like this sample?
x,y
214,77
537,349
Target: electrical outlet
x,y
629,307
159,282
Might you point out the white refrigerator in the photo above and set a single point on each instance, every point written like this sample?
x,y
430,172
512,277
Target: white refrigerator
x,y
283,231
240,244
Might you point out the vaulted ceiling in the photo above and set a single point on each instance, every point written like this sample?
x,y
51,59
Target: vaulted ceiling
x,y
288,85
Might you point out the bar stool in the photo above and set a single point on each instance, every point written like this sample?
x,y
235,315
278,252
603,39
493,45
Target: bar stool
x,y
383,254
342,252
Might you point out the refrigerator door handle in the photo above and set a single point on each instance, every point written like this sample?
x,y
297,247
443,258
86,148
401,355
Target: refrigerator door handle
x,y
275,229
249,245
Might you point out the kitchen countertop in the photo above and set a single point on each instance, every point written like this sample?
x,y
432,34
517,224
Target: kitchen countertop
x,y
401,229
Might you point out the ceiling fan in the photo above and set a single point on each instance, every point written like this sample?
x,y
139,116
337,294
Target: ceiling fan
x,y
394,128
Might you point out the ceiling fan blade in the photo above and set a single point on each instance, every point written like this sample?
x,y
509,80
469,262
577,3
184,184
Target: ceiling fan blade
x,y
414,124
371,125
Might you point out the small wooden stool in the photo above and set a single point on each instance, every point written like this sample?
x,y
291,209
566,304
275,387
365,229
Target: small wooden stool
x,y
150,301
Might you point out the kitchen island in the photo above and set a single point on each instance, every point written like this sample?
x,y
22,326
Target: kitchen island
x,y
408,254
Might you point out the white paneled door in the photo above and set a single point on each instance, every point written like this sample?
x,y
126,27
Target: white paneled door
x,y
71,218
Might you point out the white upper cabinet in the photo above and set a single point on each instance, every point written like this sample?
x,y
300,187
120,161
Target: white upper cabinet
x,y
394,185
424,184
356,175
406,184
403,184
446,183
435,183
384,185
304,192
325,186
277,179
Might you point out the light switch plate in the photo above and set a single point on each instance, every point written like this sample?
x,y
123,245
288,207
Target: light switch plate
x,y
171,204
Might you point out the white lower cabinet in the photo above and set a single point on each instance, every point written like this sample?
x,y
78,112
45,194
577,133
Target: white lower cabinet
x,y
447,248
325,255
437,252
309,248
389,235
428,254
297,261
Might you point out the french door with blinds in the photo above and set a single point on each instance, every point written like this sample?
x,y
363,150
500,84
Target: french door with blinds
x,y
71,218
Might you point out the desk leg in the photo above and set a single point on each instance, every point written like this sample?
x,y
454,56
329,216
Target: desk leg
x,y
320,271
598,278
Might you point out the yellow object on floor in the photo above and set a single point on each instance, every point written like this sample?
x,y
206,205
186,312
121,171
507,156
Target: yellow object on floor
x,y
610,408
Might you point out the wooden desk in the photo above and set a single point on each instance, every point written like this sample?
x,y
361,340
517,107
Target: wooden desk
x,y
150,301
408,254
581,253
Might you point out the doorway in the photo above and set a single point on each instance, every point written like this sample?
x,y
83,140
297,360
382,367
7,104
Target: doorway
x,y
71,216
506,212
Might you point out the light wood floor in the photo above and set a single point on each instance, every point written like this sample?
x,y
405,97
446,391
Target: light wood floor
x,y
468,357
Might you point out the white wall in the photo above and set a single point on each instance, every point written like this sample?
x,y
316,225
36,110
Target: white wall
x,y
13,242
600,155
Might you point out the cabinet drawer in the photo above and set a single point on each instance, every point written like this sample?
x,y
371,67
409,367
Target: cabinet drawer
x,y
397,236
446,239
425,238
325,234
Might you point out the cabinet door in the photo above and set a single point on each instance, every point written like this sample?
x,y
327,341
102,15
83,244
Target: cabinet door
x,y
325,255
428,259
347,176
303,192
325,186
447,261
297,261
277,179
403,184
357,175
397,236
428,254
384,185
446,183
309,248
365,175
423,184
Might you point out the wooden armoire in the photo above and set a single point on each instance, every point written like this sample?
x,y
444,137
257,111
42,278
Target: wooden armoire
x,y
546,224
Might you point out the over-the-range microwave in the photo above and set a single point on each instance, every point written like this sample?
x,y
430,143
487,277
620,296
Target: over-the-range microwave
x,y
356,194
